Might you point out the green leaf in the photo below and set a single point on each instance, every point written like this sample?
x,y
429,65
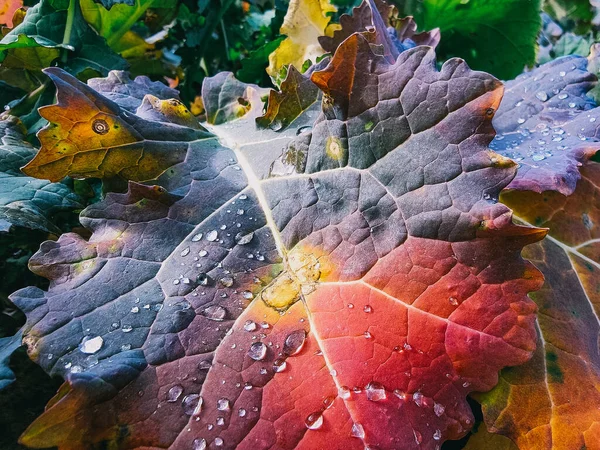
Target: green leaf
x,y
498,36
112,24
44,26
253,67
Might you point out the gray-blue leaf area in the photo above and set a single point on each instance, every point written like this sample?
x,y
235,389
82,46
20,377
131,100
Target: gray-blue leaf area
x,y
7,347
25,201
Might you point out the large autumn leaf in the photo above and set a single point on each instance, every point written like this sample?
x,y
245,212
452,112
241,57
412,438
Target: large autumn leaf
x,y
357,298
547,123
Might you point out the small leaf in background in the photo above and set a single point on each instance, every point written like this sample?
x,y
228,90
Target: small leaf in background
x,y
24,201
298,93
108,4
482,439
547,123
8,345
122,145
7,10
395,34
496,36
305,21
575,14
255,64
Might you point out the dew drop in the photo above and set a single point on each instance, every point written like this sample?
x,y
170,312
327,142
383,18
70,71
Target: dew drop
x,y
538,157
90,345
563,95
542,96
192,404
279,365
244,238
174,393
367,335
185,251
437,435
202,253
250,325
438,409
314,421
398,393
257,351
216,313
211,236
199,444
125,347
294,342
219,442
453,301
344,392
220,421
226,281
375,391
205,364
418,399
223,404
247,295
358,431
520,120
368,309
196,237
242,412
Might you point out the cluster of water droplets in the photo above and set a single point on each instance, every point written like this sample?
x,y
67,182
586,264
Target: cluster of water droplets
x,y
551,130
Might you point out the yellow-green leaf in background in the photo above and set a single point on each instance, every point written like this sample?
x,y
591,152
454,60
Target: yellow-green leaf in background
x,y
304,22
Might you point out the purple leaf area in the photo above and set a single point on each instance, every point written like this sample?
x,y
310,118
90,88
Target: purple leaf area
x,y
548,124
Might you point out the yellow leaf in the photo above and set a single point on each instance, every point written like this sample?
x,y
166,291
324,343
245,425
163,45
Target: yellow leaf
x,y
304,22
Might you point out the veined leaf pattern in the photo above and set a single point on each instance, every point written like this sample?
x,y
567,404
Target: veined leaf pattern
x,y
355,289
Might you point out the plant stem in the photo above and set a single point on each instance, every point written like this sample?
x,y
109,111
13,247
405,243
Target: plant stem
x,y
68,28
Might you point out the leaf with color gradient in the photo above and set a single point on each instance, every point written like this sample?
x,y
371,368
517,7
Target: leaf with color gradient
x,y
357,298
92,136
552,401
394,33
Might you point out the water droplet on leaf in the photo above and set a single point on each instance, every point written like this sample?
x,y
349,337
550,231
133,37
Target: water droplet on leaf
x,y
294,342
314,421
91,345
174,393
257,351
375,391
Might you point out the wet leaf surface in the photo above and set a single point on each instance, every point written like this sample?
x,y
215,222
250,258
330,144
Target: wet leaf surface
x,y
551,401
354,288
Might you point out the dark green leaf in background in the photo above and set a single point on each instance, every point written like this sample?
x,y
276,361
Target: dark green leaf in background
x,y
497,36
